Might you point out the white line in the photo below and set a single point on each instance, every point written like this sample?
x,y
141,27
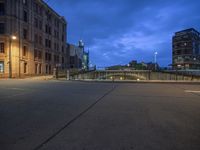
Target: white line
x,y
189,91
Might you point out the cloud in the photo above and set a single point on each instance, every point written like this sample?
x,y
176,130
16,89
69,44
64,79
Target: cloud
x,y
121,30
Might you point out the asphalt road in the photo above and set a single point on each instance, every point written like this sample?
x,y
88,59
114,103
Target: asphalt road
x,y
62,115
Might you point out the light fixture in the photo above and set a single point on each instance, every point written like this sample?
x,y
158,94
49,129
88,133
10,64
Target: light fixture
x,y
14,37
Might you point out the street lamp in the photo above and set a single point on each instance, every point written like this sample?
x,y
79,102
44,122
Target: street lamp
x,y
11,38
155,59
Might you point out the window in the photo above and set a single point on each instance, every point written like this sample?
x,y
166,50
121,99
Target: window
x,y
47,69
25,16
36,68
40,68
2,9
39,55
2,50
24,53
63,60
25,67
36,39
40,40
36,7
1,66
2,28
40,25
48,43
47,56
35,54
62,49
62,38
36,22
25,34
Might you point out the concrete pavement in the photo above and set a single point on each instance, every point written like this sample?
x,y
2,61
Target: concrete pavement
x,y
64,115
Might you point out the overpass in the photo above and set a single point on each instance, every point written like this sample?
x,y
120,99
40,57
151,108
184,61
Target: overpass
x,y
133,75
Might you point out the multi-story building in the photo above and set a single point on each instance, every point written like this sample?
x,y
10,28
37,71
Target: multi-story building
x,y
32,38
85,62
186,49
79,59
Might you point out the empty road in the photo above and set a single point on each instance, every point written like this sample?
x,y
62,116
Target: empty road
x,y
65,115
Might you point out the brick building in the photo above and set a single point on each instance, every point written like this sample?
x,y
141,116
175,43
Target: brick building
x,y
32,38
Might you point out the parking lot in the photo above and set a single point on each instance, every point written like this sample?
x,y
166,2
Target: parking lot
x,y
66,115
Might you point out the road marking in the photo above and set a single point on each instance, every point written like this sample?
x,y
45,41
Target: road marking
x,y
74,119
190,91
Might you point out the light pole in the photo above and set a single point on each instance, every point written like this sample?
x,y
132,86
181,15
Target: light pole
x,y
10,54
155,59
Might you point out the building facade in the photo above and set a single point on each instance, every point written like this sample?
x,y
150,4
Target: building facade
x,y
79,59
186,49
32,38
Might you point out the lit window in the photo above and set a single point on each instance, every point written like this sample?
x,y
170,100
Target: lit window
x,y
1,66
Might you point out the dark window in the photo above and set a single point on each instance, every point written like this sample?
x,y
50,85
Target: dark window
x,y
63,28
2,50
36,68
25,16
2,9
46,42
36,22
24,53
46,28
25,67
40,25
47,69
62,49
25,34
36,39
35,54
41,11
36,7
1,66
49,43
39,55
63,60
40,40
40,68
62,38
2,28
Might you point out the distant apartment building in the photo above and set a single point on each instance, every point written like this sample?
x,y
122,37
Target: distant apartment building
x,y
32,38
186,49
79,59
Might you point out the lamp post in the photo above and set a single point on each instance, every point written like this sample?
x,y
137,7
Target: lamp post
x,y
155,59
11,38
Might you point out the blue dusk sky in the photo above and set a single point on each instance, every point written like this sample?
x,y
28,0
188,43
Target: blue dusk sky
x,y
118,31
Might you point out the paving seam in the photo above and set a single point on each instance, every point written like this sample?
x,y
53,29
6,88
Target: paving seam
x,y
74,119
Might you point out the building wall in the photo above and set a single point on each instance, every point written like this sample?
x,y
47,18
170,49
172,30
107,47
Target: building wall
x,y
186,49
76,56
41,38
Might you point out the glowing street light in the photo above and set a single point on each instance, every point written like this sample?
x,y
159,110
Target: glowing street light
x,y
12,37
155,59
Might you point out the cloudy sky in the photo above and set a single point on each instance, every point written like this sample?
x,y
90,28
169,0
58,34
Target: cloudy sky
x,y
118,31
